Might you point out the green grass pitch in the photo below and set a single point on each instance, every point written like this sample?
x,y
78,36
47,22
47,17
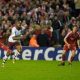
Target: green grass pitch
x,y
39,70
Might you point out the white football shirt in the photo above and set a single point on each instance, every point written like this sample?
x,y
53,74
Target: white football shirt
x,y
14,32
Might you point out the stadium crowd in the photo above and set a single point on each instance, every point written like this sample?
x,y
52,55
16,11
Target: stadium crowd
x,y
50,20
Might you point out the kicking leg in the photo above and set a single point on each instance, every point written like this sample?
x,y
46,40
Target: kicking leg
x,y
15,55
4,59
9,52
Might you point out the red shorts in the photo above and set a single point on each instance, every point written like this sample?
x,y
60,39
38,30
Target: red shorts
x,y
72,47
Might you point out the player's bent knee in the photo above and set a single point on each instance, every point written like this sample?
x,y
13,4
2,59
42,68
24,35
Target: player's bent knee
x,y
64,52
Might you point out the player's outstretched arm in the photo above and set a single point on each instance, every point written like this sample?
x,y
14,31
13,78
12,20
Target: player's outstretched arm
x,y
65,39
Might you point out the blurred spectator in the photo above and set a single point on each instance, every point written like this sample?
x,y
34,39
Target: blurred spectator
x,y
73,22
63,33
33,41
56,25
43,39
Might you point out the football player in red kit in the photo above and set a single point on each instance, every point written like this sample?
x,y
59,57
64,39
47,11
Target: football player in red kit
x,y
70,44
3,37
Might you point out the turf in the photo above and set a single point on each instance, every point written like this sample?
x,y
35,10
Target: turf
x,y
39,70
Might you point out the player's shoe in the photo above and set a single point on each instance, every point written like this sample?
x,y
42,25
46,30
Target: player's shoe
x,y
13,61
62,64
69,63
3,64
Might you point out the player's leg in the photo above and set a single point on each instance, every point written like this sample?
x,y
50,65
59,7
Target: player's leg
x,y
18,48
4,59
73,53
63,58
14,57
8,52
6,48
11,47
65,49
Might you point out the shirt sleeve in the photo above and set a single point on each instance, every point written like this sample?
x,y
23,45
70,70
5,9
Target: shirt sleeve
x,y
68,35
13,31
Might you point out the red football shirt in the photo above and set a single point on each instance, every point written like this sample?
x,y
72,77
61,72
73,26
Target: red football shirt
x,y
72,38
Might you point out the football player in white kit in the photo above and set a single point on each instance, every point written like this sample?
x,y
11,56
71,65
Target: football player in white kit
x,y
14,41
